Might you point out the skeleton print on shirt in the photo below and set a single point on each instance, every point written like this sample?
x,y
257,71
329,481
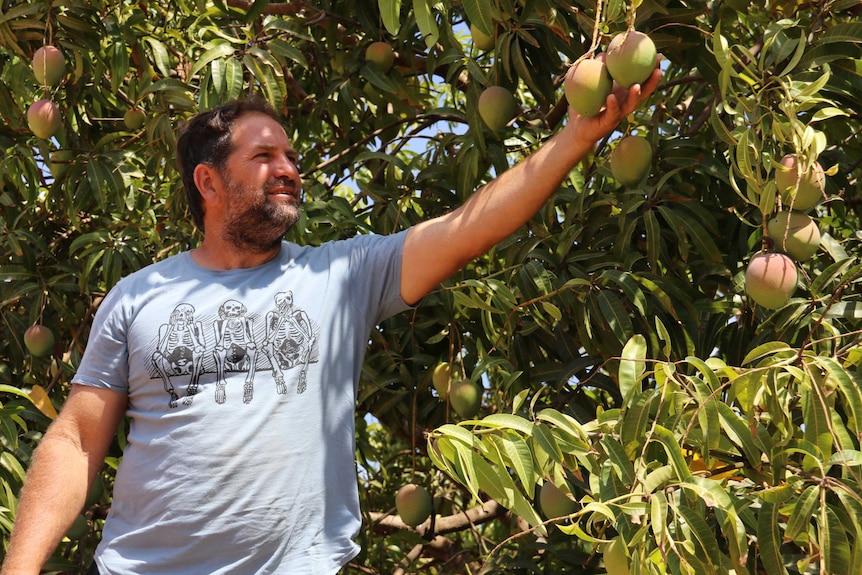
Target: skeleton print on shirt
x,y
290,340
234,348
188,347
179,351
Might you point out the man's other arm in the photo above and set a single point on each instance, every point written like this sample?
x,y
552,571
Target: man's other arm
x,y
64,466
437,248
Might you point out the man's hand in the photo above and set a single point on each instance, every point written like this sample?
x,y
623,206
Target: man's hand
x,y
618,105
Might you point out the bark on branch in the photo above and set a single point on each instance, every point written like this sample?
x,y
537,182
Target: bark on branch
x,y
281,9
440,525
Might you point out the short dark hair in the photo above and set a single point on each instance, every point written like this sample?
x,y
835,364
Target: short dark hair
x,y
206,139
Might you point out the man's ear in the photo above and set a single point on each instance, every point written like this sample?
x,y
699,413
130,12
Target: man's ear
x,y
208,181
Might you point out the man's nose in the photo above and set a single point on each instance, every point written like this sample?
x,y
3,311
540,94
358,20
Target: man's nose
x,y
285,166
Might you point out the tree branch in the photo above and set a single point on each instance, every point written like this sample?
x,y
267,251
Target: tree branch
x,y
488,511
286,9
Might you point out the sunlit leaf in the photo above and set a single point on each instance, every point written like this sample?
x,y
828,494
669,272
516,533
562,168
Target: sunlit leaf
x,y
632,366
215,53
390,12
835,545
768,539
479,14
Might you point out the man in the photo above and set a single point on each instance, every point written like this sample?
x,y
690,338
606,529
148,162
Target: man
x,y
240,461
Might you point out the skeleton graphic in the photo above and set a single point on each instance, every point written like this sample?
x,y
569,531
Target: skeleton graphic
x,y
235,349
180,351
289,341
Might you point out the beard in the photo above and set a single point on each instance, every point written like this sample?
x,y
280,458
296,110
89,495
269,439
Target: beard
x,y
256,222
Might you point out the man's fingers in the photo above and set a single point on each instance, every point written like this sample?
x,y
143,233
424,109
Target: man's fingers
x,y
640,92
612,106
652,82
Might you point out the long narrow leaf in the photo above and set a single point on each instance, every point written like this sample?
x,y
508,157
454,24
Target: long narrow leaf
x,y
632,366
390,13
834,543
739,433
674,452
802,513
769,540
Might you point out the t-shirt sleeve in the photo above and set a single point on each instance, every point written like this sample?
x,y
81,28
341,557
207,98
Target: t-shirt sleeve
x,y
105,363
377,261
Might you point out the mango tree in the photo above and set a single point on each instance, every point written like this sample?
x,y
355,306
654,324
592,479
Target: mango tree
x,y
622,359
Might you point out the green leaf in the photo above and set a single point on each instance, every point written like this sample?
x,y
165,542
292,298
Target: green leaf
x,y
506,421
797,56
834,543
101,178
816,422
375,75
660,294
256,10
523,70
20,11
820,284
632,366
566,424
671,446
739,433
489,480
13,390
167,86
653,238
11,464
288,50
619,460
390,13
658,516
544,438
719,128
767,349
466,472
631,288
119,65
769,539
712,492
695,231
707,413
519,456
161,55
535,273
708,373
702,536
846,458
509,495
426,22
659,478
615,314
457,432
845,32
849,386
803,510
215,53
479,13
636,418
233,78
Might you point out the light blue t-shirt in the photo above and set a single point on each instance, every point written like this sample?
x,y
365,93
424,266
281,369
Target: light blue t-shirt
x,y
241,388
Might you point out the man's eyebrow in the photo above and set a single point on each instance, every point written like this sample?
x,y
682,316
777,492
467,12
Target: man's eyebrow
x,y
267,146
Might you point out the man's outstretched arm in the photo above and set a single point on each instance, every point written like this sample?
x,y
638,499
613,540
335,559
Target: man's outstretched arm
x,y
65,464
437,248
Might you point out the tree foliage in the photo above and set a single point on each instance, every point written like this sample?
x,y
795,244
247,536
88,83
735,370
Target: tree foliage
x,y
620,355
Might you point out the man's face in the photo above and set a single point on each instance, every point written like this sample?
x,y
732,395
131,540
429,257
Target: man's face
x,y
262,184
